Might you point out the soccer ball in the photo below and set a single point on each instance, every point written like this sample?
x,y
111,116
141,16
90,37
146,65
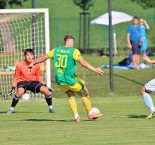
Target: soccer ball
x,y
25,97
142,65
95,110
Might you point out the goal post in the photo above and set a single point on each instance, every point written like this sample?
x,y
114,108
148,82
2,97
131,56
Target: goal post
x,y
19,32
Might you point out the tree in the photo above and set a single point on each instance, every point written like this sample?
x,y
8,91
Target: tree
x,y
4,3
84,16
84,4
146,3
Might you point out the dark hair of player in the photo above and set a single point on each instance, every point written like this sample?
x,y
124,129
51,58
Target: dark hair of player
x,y
28,50
68,37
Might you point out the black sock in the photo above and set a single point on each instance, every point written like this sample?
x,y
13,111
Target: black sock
x,y
15,101
48,100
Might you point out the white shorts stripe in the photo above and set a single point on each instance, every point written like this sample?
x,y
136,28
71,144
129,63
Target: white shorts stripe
x,y
150,86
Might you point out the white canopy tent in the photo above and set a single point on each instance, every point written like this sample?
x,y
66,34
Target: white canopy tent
x,y
117,17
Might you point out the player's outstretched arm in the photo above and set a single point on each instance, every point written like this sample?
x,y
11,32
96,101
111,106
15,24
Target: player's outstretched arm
x,y
85,64
40,59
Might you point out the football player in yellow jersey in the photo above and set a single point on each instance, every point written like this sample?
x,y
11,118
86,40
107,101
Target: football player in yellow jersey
x,y
65,58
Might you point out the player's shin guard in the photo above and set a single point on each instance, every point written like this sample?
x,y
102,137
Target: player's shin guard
x,y
73,105
87,102
14,101
48,100
148,101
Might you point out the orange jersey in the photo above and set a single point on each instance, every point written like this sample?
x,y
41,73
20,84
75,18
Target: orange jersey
x,y
23,73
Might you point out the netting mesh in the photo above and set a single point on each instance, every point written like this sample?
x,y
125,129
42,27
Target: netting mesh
x,y
19,32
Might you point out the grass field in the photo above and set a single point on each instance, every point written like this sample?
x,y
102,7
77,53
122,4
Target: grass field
x,y
124,120
123,123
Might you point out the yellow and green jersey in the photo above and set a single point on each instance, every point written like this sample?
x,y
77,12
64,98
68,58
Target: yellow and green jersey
x,y
65,64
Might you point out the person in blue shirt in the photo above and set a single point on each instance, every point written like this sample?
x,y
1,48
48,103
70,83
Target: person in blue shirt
x,y
143,28
134,41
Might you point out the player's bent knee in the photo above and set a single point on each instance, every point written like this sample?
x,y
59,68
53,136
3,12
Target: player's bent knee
x,y
19,95
85,92
20,92
143,90
70,94
45,91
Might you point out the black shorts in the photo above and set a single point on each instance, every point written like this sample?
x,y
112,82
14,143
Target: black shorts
x,y
135,48
33,86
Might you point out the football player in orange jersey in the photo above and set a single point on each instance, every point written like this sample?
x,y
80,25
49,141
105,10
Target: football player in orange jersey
x,y
29,79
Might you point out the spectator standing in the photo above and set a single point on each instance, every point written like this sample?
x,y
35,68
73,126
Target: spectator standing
x,y
143,28
134,41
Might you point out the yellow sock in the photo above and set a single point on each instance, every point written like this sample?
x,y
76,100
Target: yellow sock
x,y
87,103
73,105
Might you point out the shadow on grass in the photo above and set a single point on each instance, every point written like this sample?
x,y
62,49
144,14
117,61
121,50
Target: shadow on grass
x,y
136,116
131,80
60,120
21,112
26,112
3,112
55,120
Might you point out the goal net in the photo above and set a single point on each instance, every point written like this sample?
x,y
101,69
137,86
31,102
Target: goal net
x,y
21,29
